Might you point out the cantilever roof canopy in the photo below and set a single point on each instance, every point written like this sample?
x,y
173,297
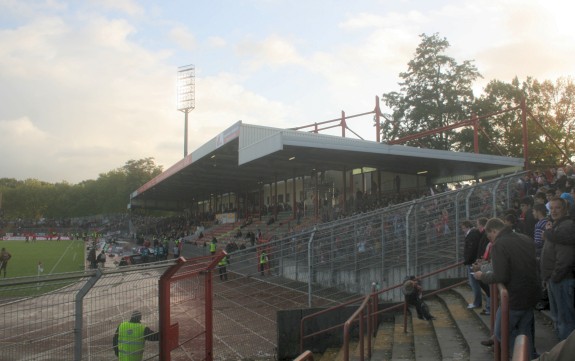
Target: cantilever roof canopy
x,y
245,156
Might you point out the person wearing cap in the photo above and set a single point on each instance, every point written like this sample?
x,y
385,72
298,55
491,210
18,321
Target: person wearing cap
x,y
130,338
413,293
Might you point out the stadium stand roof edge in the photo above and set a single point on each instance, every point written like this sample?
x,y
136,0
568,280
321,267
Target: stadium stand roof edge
x,y
244,156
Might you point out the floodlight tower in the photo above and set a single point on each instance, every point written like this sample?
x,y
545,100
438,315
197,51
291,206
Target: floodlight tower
x,y
186,96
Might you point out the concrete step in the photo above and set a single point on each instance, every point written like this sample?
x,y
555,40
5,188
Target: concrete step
x,y
383,341
455,333
545,337
403,346
467,326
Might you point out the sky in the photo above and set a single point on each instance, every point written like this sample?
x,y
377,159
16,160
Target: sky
x,y
87,85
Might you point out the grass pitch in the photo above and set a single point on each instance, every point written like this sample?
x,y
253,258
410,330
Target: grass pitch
x,y
55,256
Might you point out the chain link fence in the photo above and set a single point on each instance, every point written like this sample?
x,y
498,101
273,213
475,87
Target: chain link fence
x,y
339,260
74,316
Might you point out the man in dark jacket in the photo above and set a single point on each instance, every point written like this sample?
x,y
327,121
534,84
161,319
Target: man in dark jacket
x,y
558,266
514,265
527,220
470,247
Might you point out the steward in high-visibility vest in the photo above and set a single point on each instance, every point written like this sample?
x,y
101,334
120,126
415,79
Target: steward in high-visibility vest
x,y
213,245
222,264
130,338
263,262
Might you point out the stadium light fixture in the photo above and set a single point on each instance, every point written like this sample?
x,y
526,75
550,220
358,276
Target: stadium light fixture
x,y
186,93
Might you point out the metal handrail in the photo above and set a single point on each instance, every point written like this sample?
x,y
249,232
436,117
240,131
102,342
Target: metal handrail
x,y
521,349
372,313
358,315
305,356
501,349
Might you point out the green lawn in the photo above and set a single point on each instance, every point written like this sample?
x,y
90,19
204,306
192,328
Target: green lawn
x,y
56,257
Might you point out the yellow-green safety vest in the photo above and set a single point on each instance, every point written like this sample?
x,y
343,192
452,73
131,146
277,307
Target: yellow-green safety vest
x,y
223,261
131,341
213,247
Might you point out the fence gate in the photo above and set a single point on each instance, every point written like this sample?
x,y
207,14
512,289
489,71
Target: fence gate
x,y
185,303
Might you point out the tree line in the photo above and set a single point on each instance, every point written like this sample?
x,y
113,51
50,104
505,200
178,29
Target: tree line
x,y
32,199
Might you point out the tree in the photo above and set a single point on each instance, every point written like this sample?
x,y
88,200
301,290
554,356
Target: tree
x,y
551,110
435,92
110,193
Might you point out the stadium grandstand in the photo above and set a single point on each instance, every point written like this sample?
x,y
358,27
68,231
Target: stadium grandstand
x,y
333,218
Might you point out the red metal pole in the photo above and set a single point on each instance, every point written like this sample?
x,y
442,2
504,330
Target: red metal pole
x,y
475,135
343,124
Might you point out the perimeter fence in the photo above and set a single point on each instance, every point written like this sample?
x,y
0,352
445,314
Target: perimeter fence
x,y
342,259
74,316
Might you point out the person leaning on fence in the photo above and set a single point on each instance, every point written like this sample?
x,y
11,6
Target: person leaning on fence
x,y
130,338
513,264
414,297
4,258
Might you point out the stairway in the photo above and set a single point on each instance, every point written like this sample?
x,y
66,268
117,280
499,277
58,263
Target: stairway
x,y
455,334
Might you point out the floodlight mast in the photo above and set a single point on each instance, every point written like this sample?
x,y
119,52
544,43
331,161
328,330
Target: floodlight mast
x,y
186,96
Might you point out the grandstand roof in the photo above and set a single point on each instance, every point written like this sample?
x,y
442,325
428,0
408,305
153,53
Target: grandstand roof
x,y
244,156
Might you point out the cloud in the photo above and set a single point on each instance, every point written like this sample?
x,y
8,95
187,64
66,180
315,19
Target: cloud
x,y
216,42
14,131
274,51
129,7
183,37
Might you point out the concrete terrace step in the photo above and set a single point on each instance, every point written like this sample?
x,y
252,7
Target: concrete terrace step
x,y
383,342
471,330
403,346
545,337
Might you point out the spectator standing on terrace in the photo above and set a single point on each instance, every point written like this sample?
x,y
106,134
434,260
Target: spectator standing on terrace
x,y
4,258
558,265
526,218
514,265
540,213
471,245
539,198
483,255
130,337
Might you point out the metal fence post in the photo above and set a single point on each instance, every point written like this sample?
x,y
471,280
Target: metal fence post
x,y
456,226
79,313
310,267
407,248
495,198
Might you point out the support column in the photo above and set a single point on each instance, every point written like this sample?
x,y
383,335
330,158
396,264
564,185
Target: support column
x,y
344,207
294,200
